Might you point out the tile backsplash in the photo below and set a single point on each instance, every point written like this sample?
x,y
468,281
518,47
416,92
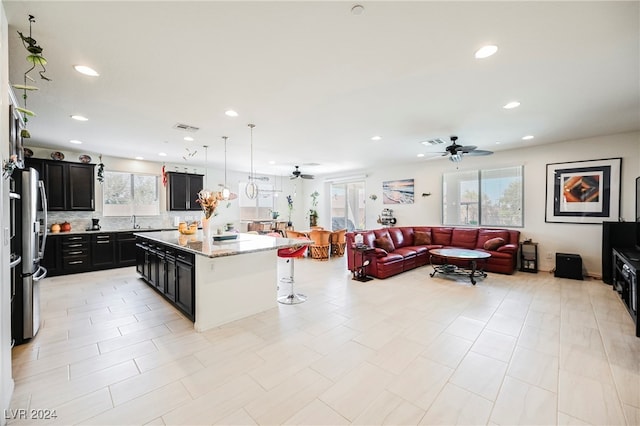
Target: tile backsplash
x,y
82,220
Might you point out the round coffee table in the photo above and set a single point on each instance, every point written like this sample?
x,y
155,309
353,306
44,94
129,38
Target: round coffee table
x,y
459,254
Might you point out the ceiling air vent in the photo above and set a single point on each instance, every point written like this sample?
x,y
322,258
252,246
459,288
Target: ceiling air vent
x,y
436,141
186,127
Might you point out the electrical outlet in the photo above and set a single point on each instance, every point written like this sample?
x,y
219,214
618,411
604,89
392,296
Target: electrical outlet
x,y
549,255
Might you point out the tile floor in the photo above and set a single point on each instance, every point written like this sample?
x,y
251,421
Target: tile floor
x,y
521,349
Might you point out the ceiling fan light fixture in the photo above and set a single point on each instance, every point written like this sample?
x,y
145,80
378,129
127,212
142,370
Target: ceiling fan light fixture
x,y
455,158
486,51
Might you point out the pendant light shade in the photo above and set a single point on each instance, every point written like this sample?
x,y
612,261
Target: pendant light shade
x,y
226,193
251,190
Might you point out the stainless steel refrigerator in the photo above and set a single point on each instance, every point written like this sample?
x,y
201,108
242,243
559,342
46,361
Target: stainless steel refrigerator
x,y
29,242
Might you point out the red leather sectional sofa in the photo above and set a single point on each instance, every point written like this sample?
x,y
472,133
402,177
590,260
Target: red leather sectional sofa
x,y
406,255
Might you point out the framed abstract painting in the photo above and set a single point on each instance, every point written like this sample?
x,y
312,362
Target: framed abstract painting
x,y
583,191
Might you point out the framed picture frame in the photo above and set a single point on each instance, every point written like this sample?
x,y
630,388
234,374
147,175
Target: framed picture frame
x,y
583,191
398,191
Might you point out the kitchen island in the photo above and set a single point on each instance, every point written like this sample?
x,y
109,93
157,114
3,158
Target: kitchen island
x,y
215,282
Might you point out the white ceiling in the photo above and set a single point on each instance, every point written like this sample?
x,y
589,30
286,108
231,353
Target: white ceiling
x,y
319,82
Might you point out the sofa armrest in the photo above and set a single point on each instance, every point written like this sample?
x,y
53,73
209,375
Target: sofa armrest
x,y
509,248
378,252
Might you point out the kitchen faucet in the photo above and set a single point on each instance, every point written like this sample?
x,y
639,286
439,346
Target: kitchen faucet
x,y
133,219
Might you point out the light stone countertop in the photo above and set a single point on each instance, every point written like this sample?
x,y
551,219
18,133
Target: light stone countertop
x,y
105,231
245,243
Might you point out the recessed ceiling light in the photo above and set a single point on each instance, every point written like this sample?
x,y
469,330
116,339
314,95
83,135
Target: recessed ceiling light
x,y
486,51
497,143
230,113
272,162
75,141
420,155
162,154
83,69
527,138
79,118
139,158
511,105
376,138
358,9
188,138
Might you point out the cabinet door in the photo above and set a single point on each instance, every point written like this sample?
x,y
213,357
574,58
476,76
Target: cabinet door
x,y
81,187
177,191
195,185
102,250
55,181
52,259
184,288
170,289
141,251
125,249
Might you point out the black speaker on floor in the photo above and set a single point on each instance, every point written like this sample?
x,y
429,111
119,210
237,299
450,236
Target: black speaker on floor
x,y
568,266
615,235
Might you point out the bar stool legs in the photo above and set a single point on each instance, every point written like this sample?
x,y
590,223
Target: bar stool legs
x,y
292,298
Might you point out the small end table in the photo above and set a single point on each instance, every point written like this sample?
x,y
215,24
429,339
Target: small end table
x,y
360,272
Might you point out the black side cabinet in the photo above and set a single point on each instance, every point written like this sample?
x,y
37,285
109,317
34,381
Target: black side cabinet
x,y
529,257
103,250
626,263
182,191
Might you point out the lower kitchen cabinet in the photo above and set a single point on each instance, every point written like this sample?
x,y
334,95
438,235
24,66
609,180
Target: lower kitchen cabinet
x,y
72,253
169,271
103,250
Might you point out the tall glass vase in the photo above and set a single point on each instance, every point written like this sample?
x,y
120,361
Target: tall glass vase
x,y
206,227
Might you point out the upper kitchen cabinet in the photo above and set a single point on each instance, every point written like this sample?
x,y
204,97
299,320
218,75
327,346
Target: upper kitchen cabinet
x,y
69,186
182,191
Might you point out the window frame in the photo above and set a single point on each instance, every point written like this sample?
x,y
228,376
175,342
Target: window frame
x,y
150,210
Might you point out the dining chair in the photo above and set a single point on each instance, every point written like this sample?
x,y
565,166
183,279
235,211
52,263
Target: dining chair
x,y
320,247
338,242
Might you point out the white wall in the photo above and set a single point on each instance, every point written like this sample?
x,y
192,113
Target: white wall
x,y
582,239
6,381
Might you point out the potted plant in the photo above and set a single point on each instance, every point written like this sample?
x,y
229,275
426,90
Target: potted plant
x,y
290,207
313,212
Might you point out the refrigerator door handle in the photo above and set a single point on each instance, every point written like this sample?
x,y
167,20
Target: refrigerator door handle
x,y
40,273
43,198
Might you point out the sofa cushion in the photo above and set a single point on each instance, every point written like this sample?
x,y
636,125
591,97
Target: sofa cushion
x,y
397,237
494,243
464,238
486,234
421,238
441,236
384,243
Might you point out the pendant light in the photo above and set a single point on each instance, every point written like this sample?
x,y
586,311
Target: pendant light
x,y
226,193
251,190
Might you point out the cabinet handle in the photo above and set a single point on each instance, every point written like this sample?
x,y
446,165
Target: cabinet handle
x,y
75,245
76,262
102,242
75,252
102,237
74,238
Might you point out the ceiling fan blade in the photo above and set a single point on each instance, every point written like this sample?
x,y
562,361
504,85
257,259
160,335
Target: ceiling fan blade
x,y
293,177
466,148
307,176
479,152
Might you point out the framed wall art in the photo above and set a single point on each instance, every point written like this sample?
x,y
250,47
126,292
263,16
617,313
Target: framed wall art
x,y
397,191
583,191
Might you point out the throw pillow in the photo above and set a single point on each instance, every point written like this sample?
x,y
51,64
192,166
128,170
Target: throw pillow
x,y
494,243
421,238
384,243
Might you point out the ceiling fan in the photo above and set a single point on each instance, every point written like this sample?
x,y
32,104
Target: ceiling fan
x,y
456,151
298,174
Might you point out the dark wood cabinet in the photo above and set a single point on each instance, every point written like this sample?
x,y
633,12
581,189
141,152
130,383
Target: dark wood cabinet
x,y
69,186
182,191
125,249
52,260
170,271
103,250
75,253
185,283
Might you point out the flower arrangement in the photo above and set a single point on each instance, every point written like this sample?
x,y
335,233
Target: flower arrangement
x,y
8,166
314,203
209,201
